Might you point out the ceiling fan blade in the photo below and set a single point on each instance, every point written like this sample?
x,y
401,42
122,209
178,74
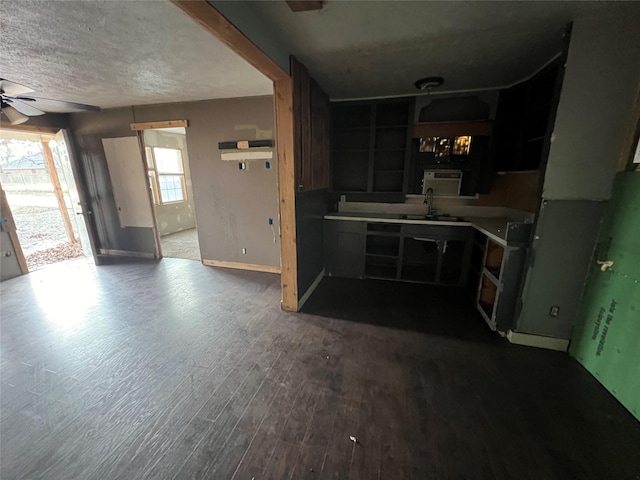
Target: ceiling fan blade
x,y
23,108
11,88
58,106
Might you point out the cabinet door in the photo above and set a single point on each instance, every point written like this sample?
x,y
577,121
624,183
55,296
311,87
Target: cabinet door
x,y
344,248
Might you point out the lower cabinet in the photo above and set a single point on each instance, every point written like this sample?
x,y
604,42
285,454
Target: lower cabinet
x,y
344,244
436,254
411,253
495,280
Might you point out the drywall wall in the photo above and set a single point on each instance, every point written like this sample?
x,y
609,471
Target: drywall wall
x,y
9,266
607,334
87,131
594,117
232,206
595,111
174,217
559,265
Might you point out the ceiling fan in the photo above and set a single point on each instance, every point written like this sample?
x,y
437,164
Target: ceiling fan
x,y
17,106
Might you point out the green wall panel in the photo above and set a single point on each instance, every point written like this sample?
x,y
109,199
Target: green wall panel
x,y
607,335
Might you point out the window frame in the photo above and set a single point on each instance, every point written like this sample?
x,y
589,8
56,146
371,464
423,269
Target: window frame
x,y
154,176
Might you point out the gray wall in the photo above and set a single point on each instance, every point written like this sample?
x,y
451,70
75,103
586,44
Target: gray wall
x,y
87,131
596,108
594,115
232,206
174,217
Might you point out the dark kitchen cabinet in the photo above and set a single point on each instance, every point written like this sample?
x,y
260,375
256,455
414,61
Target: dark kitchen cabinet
x,y
311,110
525,118
436,254
344,243
371,146
382,252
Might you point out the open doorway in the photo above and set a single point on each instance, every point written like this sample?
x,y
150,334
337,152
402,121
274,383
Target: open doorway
x,y
41,198
172,192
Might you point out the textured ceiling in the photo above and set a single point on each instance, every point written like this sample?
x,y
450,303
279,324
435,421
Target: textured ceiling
x,y
380,48
119,53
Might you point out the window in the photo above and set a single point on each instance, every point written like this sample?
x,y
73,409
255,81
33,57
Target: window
x,y
166,175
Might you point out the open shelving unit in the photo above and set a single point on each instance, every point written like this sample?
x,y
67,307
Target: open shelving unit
x,y
371,146
382,251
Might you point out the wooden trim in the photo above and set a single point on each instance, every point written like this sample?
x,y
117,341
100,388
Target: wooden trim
x,y
10,228
242,266
538,341
167,124
216,24
283,97
152,205
311,289
452,129
126,253
631,140
23,128
57,190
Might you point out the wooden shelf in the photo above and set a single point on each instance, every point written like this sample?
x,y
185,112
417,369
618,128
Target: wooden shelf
x,y
491,277
377,133
381,255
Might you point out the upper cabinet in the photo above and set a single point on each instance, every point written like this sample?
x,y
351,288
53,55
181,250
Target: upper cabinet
x,y
311,130
371,146
525,118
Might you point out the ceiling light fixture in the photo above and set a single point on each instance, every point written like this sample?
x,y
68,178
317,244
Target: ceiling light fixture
x,y
426,84
14,116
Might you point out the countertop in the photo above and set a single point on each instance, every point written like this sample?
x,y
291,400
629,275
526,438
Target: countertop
x,y
492,227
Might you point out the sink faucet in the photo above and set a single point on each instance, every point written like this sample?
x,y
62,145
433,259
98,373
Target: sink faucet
x,y
428,200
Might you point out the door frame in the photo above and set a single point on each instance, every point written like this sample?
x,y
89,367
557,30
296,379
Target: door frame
x,y
206,15
45,134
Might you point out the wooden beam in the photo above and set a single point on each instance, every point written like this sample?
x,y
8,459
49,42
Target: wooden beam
x,y
57,190
10,228
452,129
304,5
242,266
217,25
283,95
29,132
167,124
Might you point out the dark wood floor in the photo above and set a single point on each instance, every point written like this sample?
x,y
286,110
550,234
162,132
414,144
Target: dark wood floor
x,y
176,370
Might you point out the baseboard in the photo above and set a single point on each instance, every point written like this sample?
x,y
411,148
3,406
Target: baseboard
x,y
310,290
538,341
126,253
242,266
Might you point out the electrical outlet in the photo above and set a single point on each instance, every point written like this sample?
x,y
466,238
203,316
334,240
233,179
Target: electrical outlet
x,y
271,221
242,166
554,311
267,164
244,251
